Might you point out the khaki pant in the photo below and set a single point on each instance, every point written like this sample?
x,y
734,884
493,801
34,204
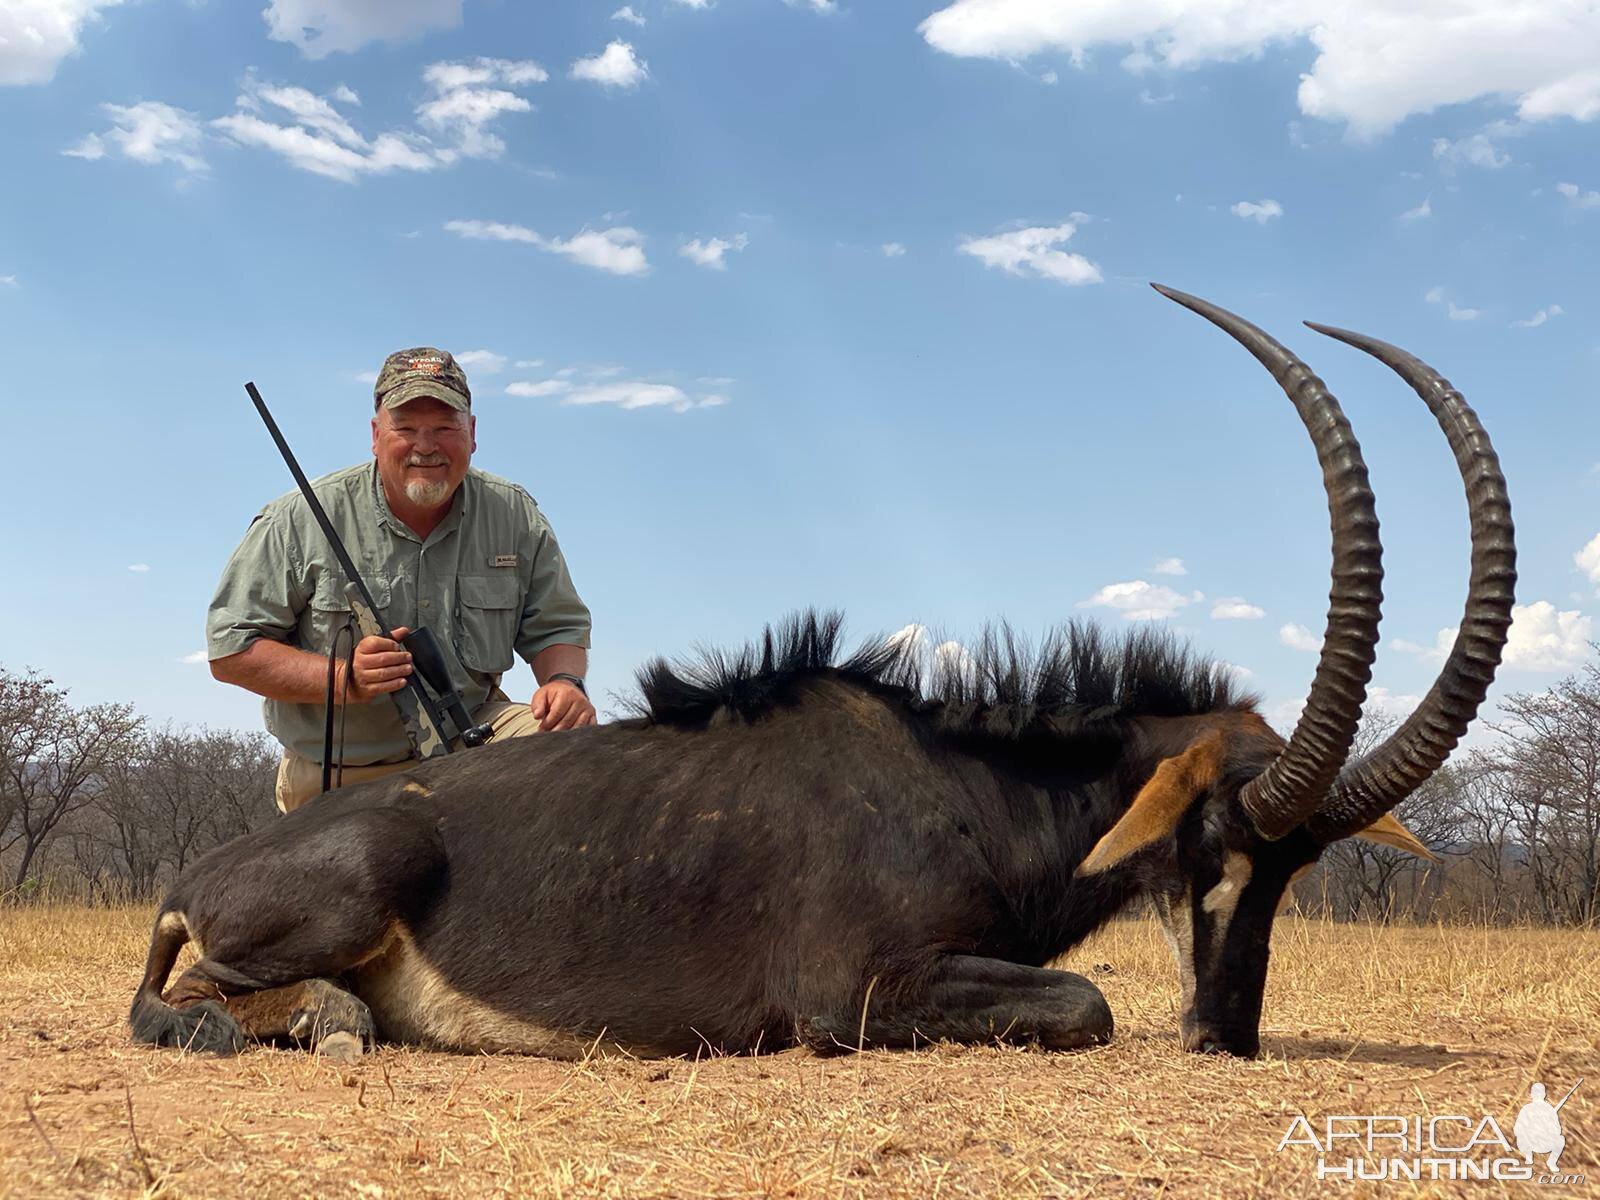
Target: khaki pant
x,y
300,778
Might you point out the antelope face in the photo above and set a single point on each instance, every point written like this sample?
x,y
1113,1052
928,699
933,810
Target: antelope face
x,y
1223,824
1218,923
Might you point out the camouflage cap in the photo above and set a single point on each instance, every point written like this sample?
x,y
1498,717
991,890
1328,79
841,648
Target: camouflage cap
x,y
421,371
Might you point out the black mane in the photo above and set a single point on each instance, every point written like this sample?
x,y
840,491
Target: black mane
x,y
1000,686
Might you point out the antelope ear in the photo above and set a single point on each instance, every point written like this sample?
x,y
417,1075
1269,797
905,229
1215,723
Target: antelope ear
x,y
1160,804
1388,831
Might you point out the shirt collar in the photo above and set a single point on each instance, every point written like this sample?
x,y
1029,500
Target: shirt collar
x,y
458,509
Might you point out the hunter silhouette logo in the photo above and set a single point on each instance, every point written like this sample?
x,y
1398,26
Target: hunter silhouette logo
x,y
1538,1127
1394,1146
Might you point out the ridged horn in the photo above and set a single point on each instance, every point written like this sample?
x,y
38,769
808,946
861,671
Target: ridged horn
x,y
1371,786
1295,785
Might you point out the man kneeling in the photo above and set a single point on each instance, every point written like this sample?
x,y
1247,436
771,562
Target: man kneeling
x,y
439,543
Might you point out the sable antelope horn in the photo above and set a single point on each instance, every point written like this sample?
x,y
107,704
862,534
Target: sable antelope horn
x,y
1297,782
1370,787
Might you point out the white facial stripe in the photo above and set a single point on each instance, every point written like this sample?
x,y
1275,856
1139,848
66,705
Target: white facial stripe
x,y
1220,901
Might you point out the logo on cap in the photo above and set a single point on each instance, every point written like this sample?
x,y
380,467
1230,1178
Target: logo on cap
x,y
429,366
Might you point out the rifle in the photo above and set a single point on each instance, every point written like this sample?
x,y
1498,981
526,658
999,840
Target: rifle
x,y
419,711
1570,1090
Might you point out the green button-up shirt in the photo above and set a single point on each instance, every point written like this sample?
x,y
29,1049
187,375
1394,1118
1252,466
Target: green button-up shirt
x,y
489,581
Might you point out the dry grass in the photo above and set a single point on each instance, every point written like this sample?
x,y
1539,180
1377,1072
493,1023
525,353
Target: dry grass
x,y
1358,1020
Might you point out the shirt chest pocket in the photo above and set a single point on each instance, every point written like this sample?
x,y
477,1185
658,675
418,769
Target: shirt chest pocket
x,y
488,612
329,610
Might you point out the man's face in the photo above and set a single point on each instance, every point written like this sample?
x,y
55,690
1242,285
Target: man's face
x,y
423,449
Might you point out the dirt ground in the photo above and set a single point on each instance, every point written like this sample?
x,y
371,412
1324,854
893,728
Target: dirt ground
x,y
1358,1020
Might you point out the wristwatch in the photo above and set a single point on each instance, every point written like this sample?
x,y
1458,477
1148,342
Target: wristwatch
x,y
575,680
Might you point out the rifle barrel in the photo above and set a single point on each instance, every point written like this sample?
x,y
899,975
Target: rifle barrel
x,y
343,555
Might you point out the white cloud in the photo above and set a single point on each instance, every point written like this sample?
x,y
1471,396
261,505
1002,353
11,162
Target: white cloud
x,y
1283,715
314,112
1436,295
694,3
1443,643
619,251
545,387
1398,705
1239,673
1543,639
320,139
1236,608
818,6
141,568
1540,639
35,35
711,252
1540,317
1420,212
1580,198
946,658
366,377
486,361
147,132
1588,560
196,656
322,155
893,250
1377,61
1298,637
464,103
92,147
614,67
626,13
1258,211
9,281
1033,251
1577,96
323,27
636,393
523,364
1170,566
1139,601
1477,150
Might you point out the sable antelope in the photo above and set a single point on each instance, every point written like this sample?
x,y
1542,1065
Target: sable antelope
x,y
784,848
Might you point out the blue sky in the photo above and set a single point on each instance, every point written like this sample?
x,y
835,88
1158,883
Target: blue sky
x,y
821,303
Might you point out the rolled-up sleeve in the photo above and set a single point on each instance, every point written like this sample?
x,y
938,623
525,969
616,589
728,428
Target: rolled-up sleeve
x,y
552,613
261,594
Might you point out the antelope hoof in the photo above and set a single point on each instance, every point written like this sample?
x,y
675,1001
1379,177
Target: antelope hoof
x,y
341,1047
205,1028
328,1013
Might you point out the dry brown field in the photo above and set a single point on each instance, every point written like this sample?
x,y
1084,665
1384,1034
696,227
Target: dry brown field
x,y
1359,1019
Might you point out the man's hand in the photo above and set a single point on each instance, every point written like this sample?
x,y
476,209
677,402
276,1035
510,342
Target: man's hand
x,y
381,666
560,704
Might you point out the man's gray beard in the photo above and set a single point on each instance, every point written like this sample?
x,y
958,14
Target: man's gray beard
x,y
425,494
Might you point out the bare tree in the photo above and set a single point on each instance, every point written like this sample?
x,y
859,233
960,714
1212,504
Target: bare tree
x,y
1357,878
1550,762
53,759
